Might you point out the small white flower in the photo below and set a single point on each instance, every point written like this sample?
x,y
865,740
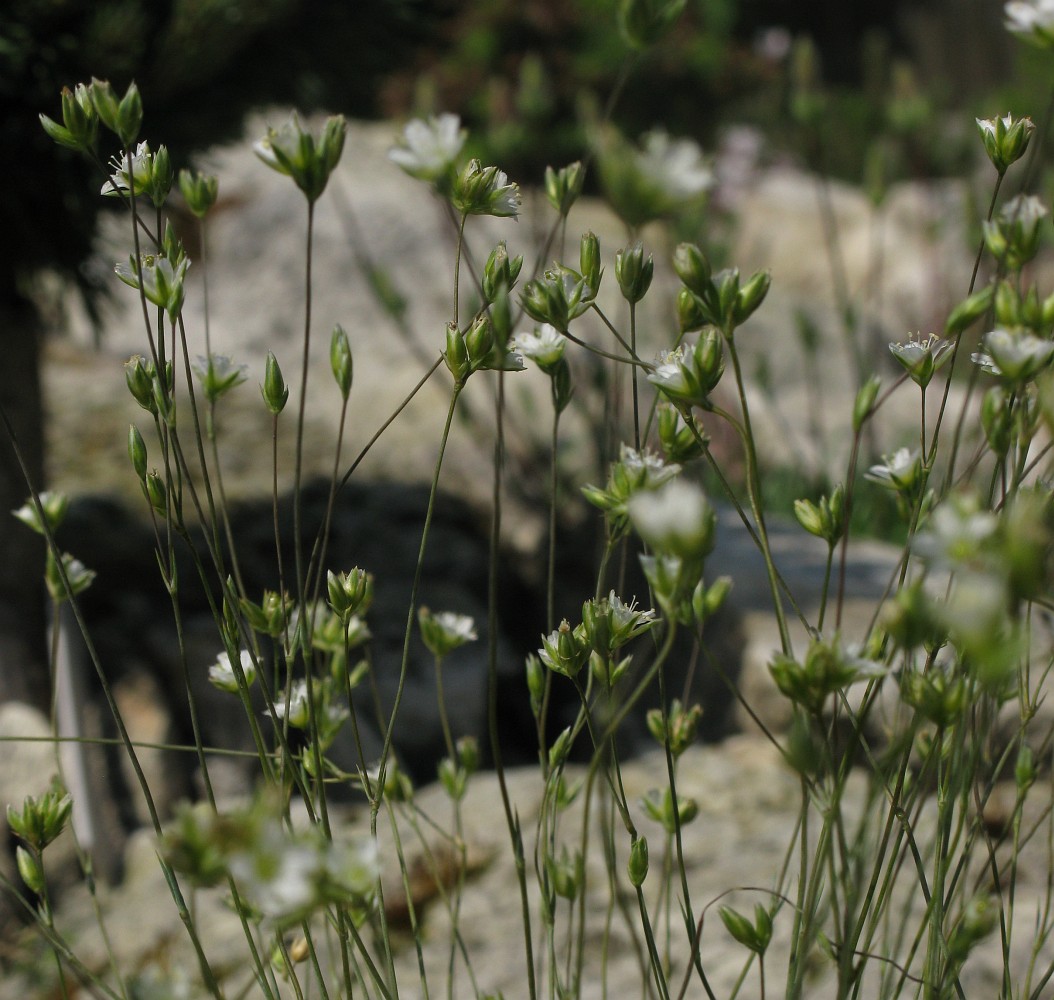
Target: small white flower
x,y
648,466
676,519
279,876
921,358
221,673
427,149
445,631
675,166
545,346
900,471
299,716
1014,354
1033,20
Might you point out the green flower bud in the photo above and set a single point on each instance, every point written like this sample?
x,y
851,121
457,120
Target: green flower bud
x,y
80,121
199,191
157,493
563,186
751,295
565,650
997,419
968,311
659,807
565,874
755,936
478,342
692,268
560,749
467,748
864,404
679,442
274,390
633,272
453,779
124,117
30,869
589,260
826,519
480,190
1024,769
535,682
349,593
40,820
340,360
501,270
707,600
690,312
560,385
137,451
679,727
637,866
456,354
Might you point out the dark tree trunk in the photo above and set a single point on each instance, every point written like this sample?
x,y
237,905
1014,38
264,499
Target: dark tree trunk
x,y
23,660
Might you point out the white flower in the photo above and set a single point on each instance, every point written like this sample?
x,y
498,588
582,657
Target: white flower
x,y
1014,354
900,471
545,346
647,466
1033,20
427,149
221,673
958,533
445,631
921,358
279,876
675,166
676,519
299,716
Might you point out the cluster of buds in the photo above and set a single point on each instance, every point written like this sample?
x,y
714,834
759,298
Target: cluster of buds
x,y
1014,309
199,191
37,824
719,299
939,695
826,518
564,186
86,106
660,807
753,935
677,728
152,393
476,350
558,297
827,669
295,152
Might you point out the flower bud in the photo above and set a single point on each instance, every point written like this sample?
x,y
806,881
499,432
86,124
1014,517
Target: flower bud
x,y
565,874
1024,769
452,778
199,191
340,360
633,272
864,403
478,342
30,869
80,121
137,451
456,354
751,295
692,268
560,749
123,117
274,390
40,820
501,270
563,186
637,866
706,601
467,748
349,593
535,682
968,311
589,260
690,312
157,493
